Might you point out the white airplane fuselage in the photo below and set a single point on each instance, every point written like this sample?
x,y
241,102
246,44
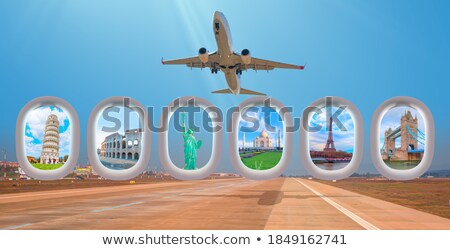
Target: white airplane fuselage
x,y
225,51
225,59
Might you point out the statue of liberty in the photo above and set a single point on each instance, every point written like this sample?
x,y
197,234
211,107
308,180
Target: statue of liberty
x,y
190,146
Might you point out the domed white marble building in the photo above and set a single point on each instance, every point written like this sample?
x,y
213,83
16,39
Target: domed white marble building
x,y
263,141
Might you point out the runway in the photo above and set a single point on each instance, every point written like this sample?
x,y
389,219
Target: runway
x,y
283,203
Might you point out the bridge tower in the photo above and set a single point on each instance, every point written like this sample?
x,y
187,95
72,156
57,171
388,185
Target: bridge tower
x,y
408,142
389,142
408,126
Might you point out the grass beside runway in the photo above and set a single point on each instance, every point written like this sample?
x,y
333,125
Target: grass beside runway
x,y
431,195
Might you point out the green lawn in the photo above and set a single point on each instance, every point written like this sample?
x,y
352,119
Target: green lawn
x,y
47,166
266,160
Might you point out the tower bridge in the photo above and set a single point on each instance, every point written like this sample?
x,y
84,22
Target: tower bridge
x,y
410,138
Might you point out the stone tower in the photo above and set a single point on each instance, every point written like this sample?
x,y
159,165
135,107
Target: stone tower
x,y
279,139
406,131
50,145
389,142
408,122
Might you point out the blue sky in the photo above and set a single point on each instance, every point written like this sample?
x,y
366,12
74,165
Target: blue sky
x,y
344,140
35,129
365,51
268,120
118,113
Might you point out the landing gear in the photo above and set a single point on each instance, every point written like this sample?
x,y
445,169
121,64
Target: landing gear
x,y
238,71
214,71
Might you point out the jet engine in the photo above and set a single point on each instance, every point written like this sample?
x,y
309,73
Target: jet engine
x,y
245,56
203,55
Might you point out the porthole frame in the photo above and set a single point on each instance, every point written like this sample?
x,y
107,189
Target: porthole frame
x,y
71,162
163,139
144,157
425,163
358,147
286,156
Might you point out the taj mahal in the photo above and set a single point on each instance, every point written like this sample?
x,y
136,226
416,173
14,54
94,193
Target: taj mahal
x,y
264,141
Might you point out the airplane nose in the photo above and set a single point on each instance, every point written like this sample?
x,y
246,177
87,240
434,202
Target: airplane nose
x,y
218,15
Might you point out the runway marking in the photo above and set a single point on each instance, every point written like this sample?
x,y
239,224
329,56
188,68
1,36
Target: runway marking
x,y
16,226
116,207
367,225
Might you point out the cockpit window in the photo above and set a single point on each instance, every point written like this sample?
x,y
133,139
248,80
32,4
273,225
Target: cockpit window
x,y
217,26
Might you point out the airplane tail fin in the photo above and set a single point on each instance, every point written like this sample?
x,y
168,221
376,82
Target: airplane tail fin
x,y
242,91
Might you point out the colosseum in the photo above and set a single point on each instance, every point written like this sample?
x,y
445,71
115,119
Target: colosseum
x,y
119,146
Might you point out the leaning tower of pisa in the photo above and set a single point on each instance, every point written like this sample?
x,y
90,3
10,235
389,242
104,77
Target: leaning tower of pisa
x,y
50,145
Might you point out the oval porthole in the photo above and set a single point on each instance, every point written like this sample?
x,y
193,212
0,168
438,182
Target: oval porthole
x,y
190,142
331,142
48,138
187,165
260,138
260,143
118,143
402,138
331,147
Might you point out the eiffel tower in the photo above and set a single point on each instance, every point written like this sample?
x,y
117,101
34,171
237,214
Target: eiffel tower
x,y
330,143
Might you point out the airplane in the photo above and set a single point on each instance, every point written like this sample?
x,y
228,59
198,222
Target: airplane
x,y
226,60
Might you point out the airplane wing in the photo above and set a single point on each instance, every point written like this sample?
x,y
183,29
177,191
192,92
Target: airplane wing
x,y
194,62
261,64
213,62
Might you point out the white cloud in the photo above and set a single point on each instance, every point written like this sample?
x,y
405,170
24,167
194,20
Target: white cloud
x,y
259,115
35,121
343,140
100,137
249,124
252,132
64,143
32,149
